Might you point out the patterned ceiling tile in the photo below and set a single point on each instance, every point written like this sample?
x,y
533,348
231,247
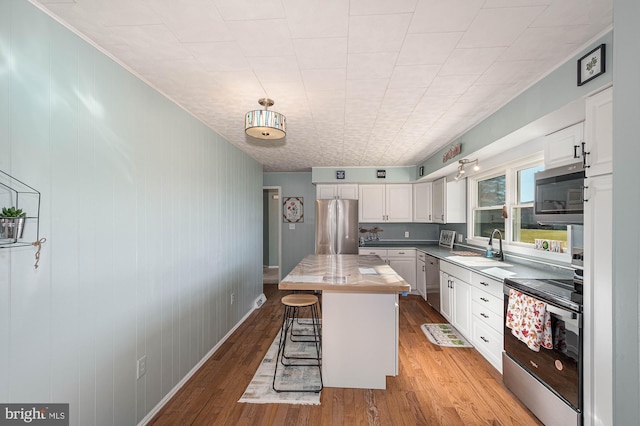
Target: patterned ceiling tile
x,y
361,82
377,33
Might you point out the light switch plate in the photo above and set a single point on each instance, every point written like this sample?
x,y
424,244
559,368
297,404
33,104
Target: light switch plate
x,y
292,226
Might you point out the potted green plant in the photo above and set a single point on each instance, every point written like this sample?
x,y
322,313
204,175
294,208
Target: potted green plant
x,y
12,223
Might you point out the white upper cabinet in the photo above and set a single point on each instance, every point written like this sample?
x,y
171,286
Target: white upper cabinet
x,y
338,191
399,202
449,202
385,203
371,203
422,200
598,134
456,201
564,146
439,201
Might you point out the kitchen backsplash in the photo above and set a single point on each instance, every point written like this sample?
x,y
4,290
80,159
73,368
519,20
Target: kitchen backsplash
x,y
417,231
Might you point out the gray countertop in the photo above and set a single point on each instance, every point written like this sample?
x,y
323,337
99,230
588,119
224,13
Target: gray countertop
x,y
514,267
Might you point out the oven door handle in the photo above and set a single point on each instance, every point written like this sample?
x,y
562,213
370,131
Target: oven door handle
x,y
562,313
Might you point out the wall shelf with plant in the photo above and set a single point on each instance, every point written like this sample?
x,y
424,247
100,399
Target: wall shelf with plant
x,y
19,214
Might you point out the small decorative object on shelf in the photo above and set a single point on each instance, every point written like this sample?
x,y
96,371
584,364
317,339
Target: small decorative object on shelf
x,y
19,216
12,223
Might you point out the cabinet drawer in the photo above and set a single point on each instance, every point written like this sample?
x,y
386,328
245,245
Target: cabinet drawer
x,y
411,253
421,255
456,271
494,287
488,301
488,342
487,316
376,252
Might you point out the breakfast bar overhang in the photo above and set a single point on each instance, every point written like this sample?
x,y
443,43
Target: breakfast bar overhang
x,y
359,316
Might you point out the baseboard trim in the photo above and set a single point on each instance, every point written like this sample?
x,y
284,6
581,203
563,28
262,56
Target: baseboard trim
x,y
155,410
259,301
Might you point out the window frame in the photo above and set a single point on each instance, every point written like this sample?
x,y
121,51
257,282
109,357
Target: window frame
x,y
510,171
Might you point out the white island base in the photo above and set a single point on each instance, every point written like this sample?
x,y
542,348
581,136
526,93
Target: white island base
x,y
359,339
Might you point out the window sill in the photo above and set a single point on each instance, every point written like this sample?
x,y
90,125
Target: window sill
x,y
525,250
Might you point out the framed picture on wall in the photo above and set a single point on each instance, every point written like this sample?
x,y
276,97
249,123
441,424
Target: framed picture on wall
x,y
591,65
293,210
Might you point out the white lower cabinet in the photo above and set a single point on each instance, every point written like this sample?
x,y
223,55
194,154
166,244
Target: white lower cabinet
x,y
488,342
455,297
421,274
446,297
475,309
461,309
487,318
403,261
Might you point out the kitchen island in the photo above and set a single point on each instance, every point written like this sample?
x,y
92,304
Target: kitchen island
x,y
359,316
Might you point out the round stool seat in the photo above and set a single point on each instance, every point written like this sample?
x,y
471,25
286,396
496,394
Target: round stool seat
x,y
299,300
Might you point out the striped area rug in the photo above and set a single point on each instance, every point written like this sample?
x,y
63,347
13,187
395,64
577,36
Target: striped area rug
x,y
260,389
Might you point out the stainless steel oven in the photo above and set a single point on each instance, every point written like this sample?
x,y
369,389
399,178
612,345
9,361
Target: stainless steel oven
x,y
548,382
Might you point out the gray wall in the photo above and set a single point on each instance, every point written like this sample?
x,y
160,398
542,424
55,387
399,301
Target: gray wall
x,y
626,205
150,220
298,242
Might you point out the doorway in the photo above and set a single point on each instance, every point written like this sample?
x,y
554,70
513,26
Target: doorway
x,y
271,235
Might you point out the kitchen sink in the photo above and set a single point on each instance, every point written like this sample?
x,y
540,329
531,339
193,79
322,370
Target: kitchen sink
x,y
478,262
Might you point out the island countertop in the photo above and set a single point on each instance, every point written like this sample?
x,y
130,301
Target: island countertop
x,y
344,272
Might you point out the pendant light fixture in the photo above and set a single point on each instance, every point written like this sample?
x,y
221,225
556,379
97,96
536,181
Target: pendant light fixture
x,y
265,124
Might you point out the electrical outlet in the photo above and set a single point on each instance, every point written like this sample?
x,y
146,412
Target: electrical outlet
x,y
406,234
141,369
233,298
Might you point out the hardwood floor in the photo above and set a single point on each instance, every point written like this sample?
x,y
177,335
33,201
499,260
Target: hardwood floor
x,y
435,385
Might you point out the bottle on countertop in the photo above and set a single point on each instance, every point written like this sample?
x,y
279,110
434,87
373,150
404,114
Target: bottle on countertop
x,y
489,252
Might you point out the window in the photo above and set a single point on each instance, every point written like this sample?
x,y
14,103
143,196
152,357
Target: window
x,y
503,200
488,214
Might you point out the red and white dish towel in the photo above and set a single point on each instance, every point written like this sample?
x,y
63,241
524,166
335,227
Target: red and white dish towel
x,y
529,321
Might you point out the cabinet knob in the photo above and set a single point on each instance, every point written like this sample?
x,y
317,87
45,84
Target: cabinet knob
x,y
482,314
484,299
484,339
484,284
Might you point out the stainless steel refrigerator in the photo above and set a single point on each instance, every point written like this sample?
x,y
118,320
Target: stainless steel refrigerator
x,y
336,226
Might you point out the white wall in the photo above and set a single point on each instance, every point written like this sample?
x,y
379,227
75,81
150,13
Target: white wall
x,y
150,220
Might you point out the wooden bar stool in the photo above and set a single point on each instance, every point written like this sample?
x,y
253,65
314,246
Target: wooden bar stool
x,y
292,305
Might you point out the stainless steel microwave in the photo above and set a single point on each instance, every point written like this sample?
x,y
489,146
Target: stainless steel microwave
x,y
559,195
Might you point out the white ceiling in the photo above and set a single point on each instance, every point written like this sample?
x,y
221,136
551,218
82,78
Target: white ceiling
x,y
361,82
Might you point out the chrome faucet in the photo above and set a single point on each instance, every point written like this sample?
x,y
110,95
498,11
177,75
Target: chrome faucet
x,y
500,254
